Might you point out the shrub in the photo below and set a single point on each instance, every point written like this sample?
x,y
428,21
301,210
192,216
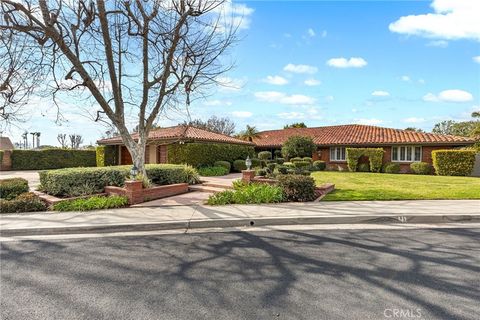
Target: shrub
x,y
227,165
92,203
212,171
296,159
289,164
52,159
264,155
1,156
85,181
257,163
280,160
298,146
301,164
297,187
308,159
391,167
421,168
10,188
248,194
106,156
319,165
205,154
363,167
453,162
282,169
277,153
261,172
26,202
375,157
271,166
239,165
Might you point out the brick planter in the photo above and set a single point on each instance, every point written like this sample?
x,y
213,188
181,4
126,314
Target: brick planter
x,y
135,193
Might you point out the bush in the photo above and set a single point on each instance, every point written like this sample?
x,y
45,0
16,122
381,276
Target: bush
x,y
375,157
301,164
92,203
239,165
298,146
10,188
52,159
227,165
277,153
289,164
282,169
391,167
308,159
261,172
319,165
205,154
26,202
212,171
1,156
248,194
86,181
296,159
265,155
257,163
421,168
453,162
106,156
271,166
363,167
297,187
280,160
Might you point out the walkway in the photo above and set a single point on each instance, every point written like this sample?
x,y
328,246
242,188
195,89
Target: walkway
x,y
30,175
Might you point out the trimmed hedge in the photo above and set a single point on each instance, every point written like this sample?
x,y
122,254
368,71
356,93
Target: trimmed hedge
x,y
106,156
297,187
26,202
391,167
212,171
319,165
421,168
11,188
227,165
92,203
52,159
264,155
363,167
453,162
375,157
239,165
86,181
205,154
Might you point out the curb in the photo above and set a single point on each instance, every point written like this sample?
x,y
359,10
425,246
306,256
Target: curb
x,y
247,222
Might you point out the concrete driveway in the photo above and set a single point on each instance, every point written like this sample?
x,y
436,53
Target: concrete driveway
x,y
30,175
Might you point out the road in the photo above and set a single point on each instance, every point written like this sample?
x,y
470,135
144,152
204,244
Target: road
x,y
302,274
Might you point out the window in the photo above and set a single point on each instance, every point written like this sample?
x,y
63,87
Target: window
x,y
406,154
337,154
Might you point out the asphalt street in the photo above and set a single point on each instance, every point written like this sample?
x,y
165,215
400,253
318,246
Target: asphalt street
x,y
314,274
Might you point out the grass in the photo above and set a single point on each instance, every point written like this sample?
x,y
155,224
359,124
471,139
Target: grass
x,y
383,186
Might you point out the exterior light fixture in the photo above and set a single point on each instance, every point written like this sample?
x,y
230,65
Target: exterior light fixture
x,y
248,162
134,172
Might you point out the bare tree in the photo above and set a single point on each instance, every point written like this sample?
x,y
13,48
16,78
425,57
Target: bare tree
x,y
62,139
131,57
214,124
75,140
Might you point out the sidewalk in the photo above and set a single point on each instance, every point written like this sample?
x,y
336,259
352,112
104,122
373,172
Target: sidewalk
x,y
185,217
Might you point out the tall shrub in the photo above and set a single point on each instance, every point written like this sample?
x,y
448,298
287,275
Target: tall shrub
x,y
298,146
205,154
52,159
375,157
106,156
453,162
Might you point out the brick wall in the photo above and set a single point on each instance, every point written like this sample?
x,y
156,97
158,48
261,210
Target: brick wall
x,y
6,161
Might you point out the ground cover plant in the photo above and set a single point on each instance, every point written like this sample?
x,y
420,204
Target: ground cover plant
x,y
92,203
253,193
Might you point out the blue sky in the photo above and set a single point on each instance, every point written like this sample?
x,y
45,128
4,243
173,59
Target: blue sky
x,y
384,63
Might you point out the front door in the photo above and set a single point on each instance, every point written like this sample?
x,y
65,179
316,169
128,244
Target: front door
x,y
125,157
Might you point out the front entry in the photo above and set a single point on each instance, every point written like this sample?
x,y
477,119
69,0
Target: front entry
x,y
125,157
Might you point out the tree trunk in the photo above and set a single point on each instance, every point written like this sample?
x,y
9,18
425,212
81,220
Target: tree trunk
x,y
137,151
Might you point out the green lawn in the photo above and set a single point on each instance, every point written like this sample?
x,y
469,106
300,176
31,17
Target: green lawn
x,y
382,186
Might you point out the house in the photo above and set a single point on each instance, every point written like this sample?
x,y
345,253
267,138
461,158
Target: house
x,y
158,140
402,146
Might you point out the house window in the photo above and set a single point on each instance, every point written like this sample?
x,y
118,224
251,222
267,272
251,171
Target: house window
x,y
337,154
406,154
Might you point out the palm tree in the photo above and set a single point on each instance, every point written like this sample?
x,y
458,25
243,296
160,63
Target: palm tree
x,y
249,134
38,139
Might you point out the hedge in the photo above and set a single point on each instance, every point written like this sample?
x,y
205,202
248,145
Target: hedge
x,y
212,171
319,165
52,159
453,162
10,188
86,181
264,155
391,167
421,168
227,165
26,202
106,156
205,154
1,156
297,187
375,156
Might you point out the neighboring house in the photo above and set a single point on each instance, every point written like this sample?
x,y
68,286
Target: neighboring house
x,y
6,146
158,140
6,143
400,146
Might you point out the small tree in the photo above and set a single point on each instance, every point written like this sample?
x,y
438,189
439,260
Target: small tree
x,y
298,146
249,134
295,125
75,140
414,129
62,139
214,124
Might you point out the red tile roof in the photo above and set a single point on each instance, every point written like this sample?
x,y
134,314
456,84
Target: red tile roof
x,y
180,132
356,134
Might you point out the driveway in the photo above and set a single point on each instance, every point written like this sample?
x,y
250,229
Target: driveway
x,y
30,175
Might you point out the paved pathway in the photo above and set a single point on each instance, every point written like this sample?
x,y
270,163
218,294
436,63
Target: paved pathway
x,y
30,175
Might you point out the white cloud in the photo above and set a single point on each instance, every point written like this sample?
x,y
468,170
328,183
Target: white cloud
x,y
476,59
451,20
324,33
380,93
215,103
276,80
300,68
236,15
371,122
312,82
414,120
230,84
438,43
405,78
242,114
280,97
452,95
291,115
354,62
311,32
